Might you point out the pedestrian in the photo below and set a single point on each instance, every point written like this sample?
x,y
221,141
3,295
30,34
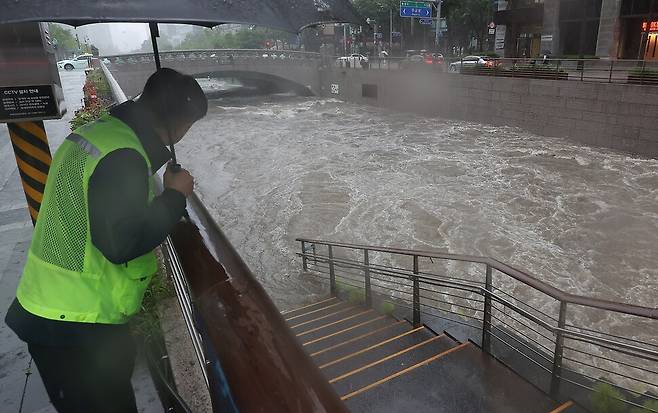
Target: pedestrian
x,y
91,256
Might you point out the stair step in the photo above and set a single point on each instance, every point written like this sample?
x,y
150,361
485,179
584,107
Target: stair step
x,y
369,367
363,355
568,406
358,317
341,312
315,312
464,380
346,334
309,307
353,344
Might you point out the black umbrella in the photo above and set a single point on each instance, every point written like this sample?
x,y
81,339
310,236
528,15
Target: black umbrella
x,y
288,15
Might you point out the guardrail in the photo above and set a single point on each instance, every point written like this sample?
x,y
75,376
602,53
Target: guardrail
x,y
509,308
250,358
641,72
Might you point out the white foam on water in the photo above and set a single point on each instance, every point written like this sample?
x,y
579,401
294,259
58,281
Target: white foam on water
x,y
582,219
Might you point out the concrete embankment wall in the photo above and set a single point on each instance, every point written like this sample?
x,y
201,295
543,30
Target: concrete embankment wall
x,y
617,116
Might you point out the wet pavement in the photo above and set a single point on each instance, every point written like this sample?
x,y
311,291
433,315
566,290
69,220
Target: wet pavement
x,y
20,391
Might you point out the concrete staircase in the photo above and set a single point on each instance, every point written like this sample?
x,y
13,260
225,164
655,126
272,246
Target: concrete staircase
x,y
378,363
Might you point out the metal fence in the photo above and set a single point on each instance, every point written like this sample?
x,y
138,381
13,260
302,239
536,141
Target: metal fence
x,y
640,72
577,341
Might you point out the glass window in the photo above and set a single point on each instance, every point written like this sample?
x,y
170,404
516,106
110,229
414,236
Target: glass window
x,y
641,6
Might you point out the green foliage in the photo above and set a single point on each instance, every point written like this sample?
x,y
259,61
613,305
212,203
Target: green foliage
x,y
246,38
163,45
97,77
649,406
605,399
63,37
87,114
354,295
467,19
146,323
387,308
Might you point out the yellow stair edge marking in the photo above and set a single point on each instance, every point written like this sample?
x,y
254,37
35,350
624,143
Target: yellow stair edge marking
x,y
314,311
401,372
353,339
324,316
363,350
307,306
333,323
345,330
563,407
390,356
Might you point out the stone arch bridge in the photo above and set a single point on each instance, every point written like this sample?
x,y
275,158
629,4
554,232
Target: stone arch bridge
x,y
269,69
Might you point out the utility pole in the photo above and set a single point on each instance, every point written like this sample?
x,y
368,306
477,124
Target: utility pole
x,y
437,38
390,32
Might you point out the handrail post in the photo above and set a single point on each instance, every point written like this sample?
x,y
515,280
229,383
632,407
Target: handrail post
x,y
304,261
612,63
332,274
486,322
366,273
315,259
559,348
416,295
557,70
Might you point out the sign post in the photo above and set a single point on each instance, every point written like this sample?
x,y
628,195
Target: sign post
x,y
30,91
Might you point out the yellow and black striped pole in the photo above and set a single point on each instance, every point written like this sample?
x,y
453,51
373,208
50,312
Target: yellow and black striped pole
x,y
33,158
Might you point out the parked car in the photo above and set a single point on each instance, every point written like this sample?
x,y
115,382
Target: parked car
x,y
433,58
354,60
78,62
423,58
472,62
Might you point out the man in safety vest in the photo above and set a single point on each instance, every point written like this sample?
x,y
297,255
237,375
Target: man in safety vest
x,y
91,256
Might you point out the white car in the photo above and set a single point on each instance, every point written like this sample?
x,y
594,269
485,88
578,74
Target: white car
x,y
355,60
471,62
78,62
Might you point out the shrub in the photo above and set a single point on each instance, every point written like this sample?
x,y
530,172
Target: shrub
x,y
387,308
605,399
87,114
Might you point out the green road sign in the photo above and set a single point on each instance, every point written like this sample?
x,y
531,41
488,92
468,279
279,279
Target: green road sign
x,y
417,4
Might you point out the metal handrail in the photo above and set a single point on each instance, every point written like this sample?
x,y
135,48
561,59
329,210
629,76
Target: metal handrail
x,y
493,298
526,278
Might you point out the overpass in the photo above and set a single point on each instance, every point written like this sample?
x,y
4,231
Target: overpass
x,y
269,69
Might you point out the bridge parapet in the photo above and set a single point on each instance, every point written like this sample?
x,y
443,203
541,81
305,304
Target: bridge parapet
x,y
255,65
219,56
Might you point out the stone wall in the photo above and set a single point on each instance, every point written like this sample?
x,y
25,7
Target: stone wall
x,y
617,116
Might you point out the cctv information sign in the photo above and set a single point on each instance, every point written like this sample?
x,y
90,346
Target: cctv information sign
x,y
27,102
415,9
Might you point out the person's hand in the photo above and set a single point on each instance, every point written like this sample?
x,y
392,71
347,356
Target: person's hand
x,y
179,180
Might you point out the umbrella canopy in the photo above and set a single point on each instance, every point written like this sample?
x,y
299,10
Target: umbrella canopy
x,y
289,15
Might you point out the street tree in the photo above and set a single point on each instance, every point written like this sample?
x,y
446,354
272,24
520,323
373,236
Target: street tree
x,y
468,19
63,37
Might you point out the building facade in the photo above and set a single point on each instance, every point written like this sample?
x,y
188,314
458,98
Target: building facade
x,y
623,29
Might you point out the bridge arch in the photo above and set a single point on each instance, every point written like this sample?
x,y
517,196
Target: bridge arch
x,y
277,70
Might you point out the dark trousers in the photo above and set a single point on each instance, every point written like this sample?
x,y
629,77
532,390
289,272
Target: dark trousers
x,y
90,378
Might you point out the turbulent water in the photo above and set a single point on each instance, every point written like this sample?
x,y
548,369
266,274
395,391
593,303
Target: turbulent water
x,y
274,168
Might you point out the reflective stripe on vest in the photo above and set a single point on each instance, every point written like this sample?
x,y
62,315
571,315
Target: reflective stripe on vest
x,y
66,277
